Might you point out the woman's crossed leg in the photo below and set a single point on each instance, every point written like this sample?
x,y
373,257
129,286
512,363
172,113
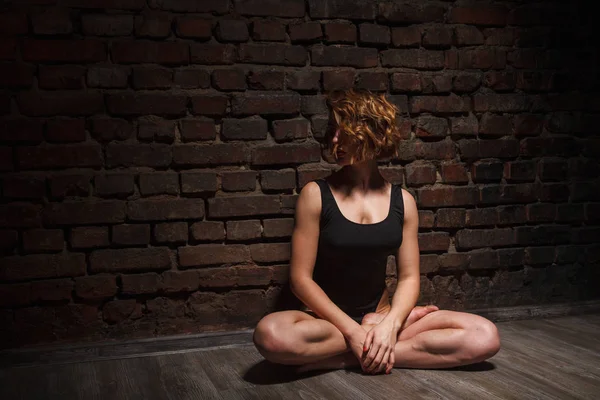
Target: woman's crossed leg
x,y
430,338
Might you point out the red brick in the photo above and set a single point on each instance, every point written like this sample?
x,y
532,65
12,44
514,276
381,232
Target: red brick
x,y
206,6
434,241
305,32
270,31
212,254
61,77
466,82
406,82
549,146
66,130
454,261
500,81
170,232
119,310
410,13
286,130
437,37
270,252
140,51
20,215
142,155
131,234
406,36
243,230
481,217
238,181
284,179
270,79
191,78
106,25
308,173
314,105
442,150
159,182
454,173
229,79
303,80
153,25
413,58
430,126
503,194
275,8
51,21
165,209
394,174
265,103
43,240
481,58
116,4
147,283
426,219
51,290
207,231
60,103
242,206
495,125
373,35
203,155
272,53
198,182
440,104
345,10
450,218
152,78
123,260
89,237
464,125
552,169
251,128
479,15
436,82
17,294
8,49
79,213
467,35
357,57
24,187
130,104
59,156
179,281
35,266
338,79
476,238
520,171
114,76
213,105
420,174
447,196
286,154
319,124
487,171
151,128
499,36
278,228
373,81
477,149
511,215
229,30
339,33
114,185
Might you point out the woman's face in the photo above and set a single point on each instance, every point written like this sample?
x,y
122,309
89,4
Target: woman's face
x,y
342,155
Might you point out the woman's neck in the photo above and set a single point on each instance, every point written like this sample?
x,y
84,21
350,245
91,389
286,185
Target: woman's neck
x,y
363,176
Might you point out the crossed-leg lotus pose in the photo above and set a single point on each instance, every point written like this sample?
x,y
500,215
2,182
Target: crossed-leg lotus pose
x,y
345,228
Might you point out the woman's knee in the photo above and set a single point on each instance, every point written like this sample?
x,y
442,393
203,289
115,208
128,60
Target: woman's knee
x,y
274,335
483,340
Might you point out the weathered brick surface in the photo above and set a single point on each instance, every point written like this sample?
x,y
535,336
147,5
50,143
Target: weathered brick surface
x,y
152,153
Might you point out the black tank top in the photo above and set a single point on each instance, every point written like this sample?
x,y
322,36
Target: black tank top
x,y
352,257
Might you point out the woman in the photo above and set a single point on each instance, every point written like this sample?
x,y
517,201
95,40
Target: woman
x,y
345,227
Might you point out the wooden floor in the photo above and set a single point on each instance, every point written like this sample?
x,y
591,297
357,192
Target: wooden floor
x,y
552,358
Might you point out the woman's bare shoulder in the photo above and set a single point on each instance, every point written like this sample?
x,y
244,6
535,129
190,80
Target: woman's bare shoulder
x,y
410,204
309,200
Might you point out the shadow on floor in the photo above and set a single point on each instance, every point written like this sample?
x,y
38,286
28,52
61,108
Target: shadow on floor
x,y
268,373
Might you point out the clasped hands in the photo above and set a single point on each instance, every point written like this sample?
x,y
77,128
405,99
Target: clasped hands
x,y
375,348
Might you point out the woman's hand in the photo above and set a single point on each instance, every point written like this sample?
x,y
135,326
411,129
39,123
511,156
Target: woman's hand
x,y
379,347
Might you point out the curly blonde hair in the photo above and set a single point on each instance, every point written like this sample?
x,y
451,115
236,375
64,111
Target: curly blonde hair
x,y
367,123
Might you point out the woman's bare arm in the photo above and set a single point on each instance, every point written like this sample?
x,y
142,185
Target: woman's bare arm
x,y
305,239
407,261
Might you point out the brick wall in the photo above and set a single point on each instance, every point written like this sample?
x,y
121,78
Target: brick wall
x,y
152,151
